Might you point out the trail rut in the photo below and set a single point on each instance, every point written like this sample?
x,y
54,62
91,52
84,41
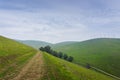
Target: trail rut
x,y
33,70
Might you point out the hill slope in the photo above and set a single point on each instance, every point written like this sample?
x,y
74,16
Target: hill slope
x,y
101,53
13,56
18,61
34,44
58,69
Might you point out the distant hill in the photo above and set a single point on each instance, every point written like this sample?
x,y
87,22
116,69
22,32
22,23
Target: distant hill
x,y
63,43
13,55
34,44
103,53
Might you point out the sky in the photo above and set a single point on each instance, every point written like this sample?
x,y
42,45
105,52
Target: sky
x,y
59,20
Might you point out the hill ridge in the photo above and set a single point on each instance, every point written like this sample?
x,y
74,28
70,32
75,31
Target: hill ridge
x,y
98,52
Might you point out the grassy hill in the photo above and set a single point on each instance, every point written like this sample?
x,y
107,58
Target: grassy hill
x,y
102,53
34,44
64,43
13,55
58,69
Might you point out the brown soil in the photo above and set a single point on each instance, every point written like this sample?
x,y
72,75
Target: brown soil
x,y
33,70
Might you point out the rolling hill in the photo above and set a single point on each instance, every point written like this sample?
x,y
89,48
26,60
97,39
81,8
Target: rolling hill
x,y
58,69
19,62
103,53
34,44
13,55
64,43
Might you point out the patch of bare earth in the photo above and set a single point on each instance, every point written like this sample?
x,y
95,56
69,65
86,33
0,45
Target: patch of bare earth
x,y
33,70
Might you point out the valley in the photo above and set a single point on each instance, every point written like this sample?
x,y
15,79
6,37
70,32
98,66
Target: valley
x,y
21,62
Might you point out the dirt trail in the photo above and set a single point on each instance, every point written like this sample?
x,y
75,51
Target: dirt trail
x,y
105,73
33,70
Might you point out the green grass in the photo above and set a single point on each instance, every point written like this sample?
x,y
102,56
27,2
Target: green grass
x,y
58,69
101,53
13,56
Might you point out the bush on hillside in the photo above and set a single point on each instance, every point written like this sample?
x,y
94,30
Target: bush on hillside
x,y
60,54
65,56
88,66
70,59
56,54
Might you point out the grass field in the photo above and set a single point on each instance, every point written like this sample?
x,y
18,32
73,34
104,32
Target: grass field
x,y
13,56
58,69
101,53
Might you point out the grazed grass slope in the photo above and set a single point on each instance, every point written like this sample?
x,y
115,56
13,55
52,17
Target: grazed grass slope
x,y
58,69
101,53
13,56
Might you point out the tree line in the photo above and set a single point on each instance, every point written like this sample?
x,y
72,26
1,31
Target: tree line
x,y
56,54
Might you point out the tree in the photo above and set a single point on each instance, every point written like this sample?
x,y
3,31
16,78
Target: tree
x,y
88,66
41,48
70,59
54,53
47,49
51,51
65,56
60,54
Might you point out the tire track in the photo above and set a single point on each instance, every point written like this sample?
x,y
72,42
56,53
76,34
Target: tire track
x,y
33,70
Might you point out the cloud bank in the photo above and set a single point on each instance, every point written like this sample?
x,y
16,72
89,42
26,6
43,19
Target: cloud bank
x,y
59,20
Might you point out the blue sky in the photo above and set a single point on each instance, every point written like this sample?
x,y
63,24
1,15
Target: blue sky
x,y
59,20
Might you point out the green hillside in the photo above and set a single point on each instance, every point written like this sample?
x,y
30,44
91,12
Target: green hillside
x,y
64,43
34,44
58,69
102,53
13,56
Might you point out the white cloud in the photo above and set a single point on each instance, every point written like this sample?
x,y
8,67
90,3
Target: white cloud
x,y
56,26
27,25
